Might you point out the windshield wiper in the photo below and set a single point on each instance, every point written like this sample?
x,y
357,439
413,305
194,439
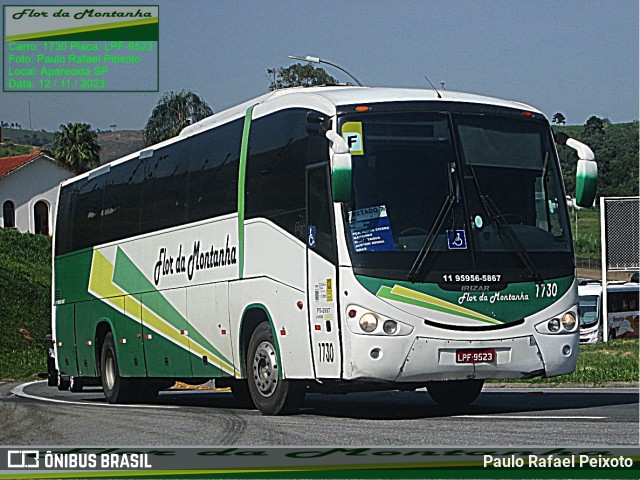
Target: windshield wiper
x,y
445,208
495,215
503,226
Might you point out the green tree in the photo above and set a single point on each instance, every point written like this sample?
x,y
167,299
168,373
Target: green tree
x,y
298,75
559,118
173,112
76,147
593,126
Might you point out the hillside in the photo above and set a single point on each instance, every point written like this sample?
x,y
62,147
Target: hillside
x,y
113,145
25,310
616,150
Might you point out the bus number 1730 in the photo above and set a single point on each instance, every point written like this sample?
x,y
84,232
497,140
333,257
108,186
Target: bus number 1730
x,y
326,352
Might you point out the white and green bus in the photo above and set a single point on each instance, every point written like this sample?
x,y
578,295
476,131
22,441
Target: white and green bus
x,y
323,239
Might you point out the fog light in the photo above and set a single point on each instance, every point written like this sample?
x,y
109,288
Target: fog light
x,y
566,350
390,327
368,322
554,325
375,353
569,321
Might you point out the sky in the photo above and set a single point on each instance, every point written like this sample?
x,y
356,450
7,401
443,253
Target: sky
x,y
579,58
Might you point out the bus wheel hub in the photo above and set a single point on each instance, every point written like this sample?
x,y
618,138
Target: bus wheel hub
x,y
265,369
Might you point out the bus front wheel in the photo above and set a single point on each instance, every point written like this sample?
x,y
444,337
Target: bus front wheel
x,y
455,393
271,394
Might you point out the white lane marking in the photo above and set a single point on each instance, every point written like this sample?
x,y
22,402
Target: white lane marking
x,y
19,391
533,417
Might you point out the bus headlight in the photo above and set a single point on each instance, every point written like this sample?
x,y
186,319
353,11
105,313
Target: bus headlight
x,y
569,321
363,321
368,322
554,325
390,327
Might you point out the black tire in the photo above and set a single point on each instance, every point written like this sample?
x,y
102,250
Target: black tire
x,y
64,382
52,371
271,394
455,393
241,393
116,389
75,385
145,391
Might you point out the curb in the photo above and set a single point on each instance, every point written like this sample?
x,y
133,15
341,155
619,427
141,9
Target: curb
x,y
563,385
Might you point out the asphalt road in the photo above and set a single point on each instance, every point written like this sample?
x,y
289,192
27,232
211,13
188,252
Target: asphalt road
x,y
34,414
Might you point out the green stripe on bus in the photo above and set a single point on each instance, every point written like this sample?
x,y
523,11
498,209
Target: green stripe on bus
x,y
244,152
128,277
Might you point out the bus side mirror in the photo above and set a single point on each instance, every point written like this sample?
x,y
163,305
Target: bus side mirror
x,y
317,124
586,172
340,168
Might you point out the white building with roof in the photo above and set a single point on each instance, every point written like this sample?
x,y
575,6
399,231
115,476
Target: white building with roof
x,y
28,192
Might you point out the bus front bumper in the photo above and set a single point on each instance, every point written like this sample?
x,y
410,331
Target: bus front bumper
x,y
429,359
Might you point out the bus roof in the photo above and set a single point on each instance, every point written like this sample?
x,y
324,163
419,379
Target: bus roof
x,y
326,99
590,289
596,288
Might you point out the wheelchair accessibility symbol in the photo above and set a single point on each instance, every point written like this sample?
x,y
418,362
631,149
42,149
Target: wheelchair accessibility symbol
x,y
456,239
312,237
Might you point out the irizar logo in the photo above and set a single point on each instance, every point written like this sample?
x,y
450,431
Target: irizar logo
x,y
23,459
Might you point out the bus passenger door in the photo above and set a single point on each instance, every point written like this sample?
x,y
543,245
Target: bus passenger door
x,y
322,288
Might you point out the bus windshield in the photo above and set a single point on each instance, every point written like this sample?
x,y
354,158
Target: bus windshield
x,y
476,191
588,310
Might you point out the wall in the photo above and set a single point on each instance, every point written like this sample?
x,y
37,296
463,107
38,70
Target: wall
x,y
29,184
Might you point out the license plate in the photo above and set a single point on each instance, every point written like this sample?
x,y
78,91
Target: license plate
x,y
476,355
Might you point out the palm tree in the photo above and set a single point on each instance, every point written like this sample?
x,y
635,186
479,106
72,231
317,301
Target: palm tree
x,y
173,112
298,75
76,147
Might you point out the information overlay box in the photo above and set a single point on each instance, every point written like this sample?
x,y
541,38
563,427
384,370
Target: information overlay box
x,y
78,48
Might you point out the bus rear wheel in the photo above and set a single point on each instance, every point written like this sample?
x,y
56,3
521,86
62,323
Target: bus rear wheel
x,y
455,393
271,394
116,388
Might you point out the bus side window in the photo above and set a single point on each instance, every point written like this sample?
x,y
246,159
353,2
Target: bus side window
x,y
275,176
319,211
213,172
87,215
123,201
165,187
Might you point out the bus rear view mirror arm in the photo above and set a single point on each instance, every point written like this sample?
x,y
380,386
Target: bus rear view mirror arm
x,y
586,170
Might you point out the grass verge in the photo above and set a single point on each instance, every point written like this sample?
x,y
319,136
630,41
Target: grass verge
x,y
614,361
25,303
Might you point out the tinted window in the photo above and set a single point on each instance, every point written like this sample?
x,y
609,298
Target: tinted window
x,y
122,202
213,172
165,187
64,232
86,215
275,176
319,212
191,180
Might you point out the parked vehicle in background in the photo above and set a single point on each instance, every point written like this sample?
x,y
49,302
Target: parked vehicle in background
x,y
622,310
589,312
